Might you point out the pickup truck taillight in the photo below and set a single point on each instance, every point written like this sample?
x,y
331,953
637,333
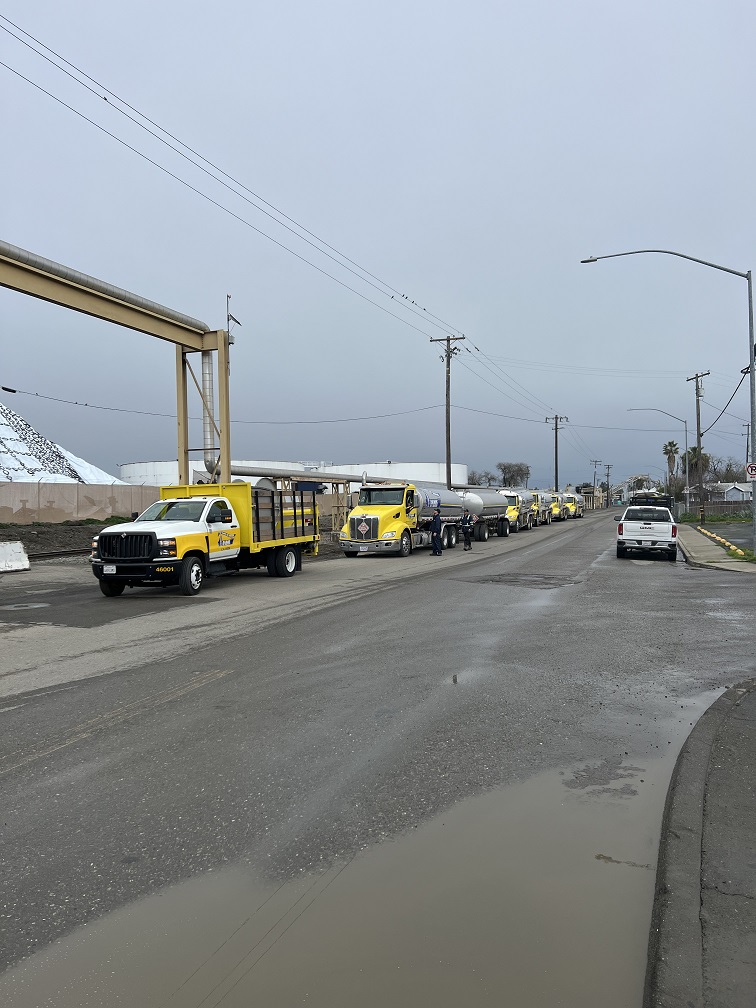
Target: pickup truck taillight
x,y
674,531
619,529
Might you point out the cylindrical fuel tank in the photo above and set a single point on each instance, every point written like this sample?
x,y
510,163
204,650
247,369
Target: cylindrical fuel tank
x,y
447,501
483,502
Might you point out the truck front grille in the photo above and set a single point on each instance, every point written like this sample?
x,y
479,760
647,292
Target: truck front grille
x,y
363,527
126,546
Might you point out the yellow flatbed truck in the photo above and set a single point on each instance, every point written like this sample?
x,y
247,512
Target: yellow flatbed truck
x,y
194,532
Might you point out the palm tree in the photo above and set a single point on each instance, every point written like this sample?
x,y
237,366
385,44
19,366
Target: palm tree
x,y
671,450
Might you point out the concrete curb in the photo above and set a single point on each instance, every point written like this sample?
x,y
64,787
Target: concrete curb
x,y
674,971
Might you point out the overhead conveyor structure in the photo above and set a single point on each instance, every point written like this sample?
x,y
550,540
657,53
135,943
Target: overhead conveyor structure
x,y
42,278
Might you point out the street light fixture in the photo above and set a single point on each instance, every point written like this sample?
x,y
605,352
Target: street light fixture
x,y
652,409
751,361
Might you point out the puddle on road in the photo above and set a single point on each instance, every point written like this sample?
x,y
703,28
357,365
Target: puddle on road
x,y
535,895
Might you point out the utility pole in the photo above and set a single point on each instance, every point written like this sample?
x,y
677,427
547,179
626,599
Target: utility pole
x,y
447,355
747,436
556,420
608,494
594,463
699,394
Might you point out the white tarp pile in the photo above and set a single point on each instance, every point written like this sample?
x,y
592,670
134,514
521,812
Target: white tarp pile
x,y
28,457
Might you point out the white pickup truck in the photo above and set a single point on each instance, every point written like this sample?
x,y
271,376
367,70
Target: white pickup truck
x,y
647,529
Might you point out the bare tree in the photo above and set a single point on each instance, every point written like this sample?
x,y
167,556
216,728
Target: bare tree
x,y
514,473
474,478
728,470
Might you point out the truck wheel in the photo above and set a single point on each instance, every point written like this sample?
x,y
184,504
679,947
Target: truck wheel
x,y
535,521
405,545
111,588
672,557
350,553
502,528
481,532
451,538
191,576
286,561
516,526
621,552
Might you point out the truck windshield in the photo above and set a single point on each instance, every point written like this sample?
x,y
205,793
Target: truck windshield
x,y
185,510
388,495
511,500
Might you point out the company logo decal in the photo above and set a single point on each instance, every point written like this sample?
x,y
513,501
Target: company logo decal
x,y
226,539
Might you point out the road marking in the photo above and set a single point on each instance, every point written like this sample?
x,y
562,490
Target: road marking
x,y
123,713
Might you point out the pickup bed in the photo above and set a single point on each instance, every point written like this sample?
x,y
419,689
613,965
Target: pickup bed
x,y
647,530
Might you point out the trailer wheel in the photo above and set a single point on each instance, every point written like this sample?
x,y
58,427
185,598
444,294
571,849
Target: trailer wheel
x,y
191,576
502,528
110,589
451,537
481,531
405,545
286,561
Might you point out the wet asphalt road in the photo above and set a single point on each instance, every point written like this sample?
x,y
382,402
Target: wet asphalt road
x,y
510,721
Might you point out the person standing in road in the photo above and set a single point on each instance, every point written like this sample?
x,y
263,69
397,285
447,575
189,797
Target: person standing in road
x,y
435,528
467,525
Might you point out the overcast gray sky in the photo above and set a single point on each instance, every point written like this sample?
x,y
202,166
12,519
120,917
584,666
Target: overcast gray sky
x,y
468,156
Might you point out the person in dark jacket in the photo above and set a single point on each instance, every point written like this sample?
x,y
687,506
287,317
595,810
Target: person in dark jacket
x,y
435,528
467,526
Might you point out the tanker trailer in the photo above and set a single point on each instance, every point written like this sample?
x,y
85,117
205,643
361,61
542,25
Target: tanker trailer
x,y
491,511
395,518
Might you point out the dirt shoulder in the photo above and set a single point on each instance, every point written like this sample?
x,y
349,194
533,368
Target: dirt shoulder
x,y
45,537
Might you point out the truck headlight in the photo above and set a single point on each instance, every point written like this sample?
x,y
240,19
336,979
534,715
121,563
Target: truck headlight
x,y
343,535
389,535
167,547
94,545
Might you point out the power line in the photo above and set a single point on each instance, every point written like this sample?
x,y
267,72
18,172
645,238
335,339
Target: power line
x,y
209,199
402,299
277,423
397,295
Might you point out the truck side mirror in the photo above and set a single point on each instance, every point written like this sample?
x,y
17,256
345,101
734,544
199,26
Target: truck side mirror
x,y
227,516
134,515
618,517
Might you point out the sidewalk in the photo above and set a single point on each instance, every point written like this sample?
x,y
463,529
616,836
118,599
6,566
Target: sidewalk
x,y
702,944
700,551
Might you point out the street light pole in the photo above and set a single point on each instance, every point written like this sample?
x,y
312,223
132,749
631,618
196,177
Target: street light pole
x,y
751,359
652,409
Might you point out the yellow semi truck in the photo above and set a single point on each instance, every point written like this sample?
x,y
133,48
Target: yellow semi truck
x,y
395,518
195,532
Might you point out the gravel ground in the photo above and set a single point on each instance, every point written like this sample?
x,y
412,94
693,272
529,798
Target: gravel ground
x,y
43,538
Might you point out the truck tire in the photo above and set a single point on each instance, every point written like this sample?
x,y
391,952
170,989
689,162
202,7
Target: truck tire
x,y
621,552
405,544
451,537
270,563
350,553
192,575
672,556
502,527
110,589
481,532
516,526
286,561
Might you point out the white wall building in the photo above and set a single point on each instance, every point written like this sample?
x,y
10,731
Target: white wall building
x,y
166,473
